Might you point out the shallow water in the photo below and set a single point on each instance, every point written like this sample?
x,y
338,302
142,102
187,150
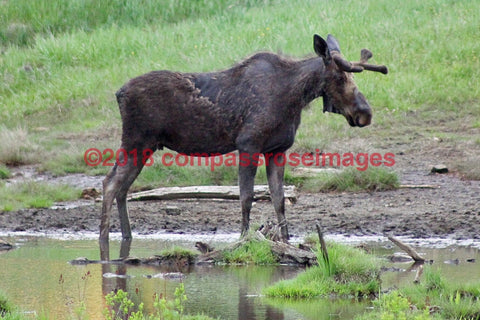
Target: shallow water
x,y
37,277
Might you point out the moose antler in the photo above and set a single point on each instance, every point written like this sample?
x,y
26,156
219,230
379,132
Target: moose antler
x,y
358,66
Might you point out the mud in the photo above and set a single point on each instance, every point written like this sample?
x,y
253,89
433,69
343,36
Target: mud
x,y
450,211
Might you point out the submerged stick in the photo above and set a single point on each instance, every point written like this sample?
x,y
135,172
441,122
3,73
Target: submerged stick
x,y
409,250
418,274
323,245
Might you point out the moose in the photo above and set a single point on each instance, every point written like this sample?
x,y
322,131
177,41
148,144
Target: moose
x,y
253,107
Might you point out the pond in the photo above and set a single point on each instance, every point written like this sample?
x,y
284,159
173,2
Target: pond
x,y
37,277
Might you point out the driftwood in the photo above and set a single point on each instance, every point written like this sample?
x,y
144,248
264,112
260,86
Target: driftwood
x,y
4,245
284,252
418,186
207,192
288,254
409,250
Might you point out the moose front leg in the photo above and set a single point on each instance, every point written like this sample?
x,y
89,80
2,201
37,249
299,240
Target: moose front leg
x,y
275,173
246,177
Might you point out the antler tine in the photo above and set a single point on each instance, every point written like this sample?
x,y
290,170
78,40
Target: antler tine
x,y
345,65
364,56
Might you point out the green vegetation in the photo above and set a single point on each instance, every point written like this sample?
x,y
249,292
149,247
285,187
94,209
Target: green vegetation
x,y
433,298
349,272
177,254
4,172
62,62
351,179
251,252
5,306
120,306
34,195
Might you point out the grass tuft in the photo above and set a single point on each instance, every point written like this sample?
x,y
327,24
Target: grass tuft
x,y
349,272
251,252
4,172
16,147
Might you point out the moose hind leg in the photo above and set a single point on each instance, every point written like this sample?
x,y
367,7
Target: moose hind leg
x,y
275,174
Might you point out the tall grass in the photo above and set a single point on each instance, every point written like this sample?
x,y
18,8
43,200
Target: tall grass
x,y
62,61
353,180
23,19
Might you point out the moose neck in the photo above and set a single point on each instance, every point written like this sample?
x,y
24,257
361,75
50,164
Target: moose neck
x,y
309,80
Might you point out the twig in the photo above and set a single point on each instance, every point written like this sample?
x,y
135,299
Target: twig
x,y
323,245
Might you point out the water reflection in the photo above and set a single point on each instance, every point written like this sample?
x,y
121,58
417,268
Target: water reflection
x,y
110,284
30,277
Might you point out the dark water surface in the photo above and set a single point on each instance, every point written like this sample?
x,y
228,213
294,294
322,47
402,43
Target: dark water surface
x,y
37,277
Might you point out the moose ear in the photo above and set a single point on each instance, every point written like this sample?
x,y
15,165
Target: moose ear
x,y
333,43
321,48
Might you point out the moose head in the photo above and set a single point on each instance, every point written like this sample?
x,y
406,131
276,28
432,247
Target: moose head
x,y
341,94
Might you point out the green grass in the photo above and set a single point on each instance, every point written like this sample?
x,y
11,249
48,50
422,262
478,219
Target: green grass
x,y
349,272
251,252
4,172
433,298
62,62
34,195
179,254
351,179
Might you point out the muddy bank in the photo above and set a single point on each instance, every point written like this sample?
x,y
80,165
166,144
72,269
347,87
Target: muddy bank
x,y
451,210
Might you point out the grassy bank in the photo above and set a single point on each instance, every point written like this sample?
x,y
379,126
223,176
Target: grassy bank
x,y
60,68
349,272
433,298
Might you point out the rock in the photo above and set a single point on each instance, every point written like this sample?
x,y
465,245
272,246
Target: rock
x,y
439,168
452,261
4,245
172,211
203,247
90,193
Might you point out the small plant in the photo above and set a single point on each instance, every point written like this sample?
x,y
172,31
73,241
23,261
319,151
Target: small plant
x,y
4,172
121,307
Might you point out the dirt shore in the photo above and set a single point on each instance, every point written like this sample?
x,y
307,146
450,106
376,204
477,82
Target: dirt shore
x,y
451,210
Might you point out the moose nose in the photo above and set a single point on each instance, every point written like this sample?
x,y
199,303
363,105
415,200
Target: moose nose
x,y
364,112
364,119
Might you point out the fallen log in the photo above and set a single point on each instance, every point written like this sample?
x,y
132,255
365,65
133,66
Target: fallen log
x,y
207,192
405,247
